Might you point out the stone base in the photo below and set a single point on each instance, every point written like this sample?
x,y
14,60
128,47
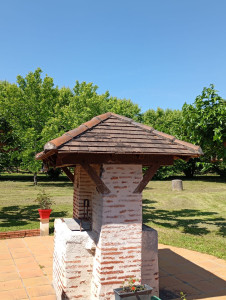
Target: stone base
x,y
44,227
149,259
74,255
72,262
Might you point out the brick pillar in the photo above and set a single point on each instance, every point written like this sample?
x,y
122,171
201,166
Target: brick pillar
x,y
84,188
118,252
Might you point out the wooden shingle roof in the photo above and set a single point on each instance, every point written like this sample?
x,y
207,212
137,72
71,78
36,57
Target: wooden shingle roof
x,y
114,134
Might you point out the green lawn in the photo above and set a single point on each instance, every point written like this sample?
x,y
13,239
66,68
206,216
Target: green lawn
x,y
194,218
17,207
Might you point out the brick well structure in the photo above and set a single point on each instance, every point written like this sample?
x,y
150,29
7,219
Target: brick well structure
x,y
107,243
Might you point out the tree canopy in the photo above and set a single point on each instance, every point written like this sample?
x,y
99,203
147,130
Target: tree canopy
x,y
37,111
167,121
204,122
34,111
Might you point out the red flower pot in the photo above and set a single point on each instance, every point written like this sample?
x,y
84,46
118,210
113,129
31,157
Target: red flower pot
x,y
44,213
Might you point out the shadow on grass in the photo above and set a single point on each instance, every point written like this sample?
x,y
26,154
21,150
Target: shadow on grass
x,y
56,184
216,179
191,221
30,178
20,216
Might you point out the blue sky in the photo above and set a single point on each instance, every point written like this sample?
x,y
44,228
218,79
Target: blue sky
x,y
156,53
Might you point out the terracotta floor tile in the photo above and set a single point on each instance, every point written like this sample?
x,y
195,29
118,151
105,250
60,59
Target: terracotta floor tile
x,y
10,285
4,250
15,243
189,277
50,277
44,257
31,273
219,295
30,282
45,263
23,254
214,298
186,289
183,265
175,269
205,286
168,281
41,252
48,270
163,273
29,266
24,260
6,262
9,276
51,297
37,247
42,290
210,265
16,294
7,269
5,255
202,273
19,250
3,247
218,282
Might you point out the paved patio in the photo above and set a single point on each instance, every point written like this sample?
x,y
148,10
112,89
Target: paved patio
x,y
26,271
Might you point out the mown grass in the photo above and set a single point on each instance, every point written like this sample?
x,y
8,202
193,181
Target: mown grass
x,y
17,207
194,218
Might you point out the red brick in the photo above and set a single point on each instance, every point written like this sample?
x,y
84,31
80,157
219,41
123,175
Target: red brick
x,y
112,282
111,262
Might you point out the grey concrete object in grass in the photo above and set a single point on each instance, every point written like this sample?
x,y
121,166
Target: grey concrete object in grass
x,y
177,185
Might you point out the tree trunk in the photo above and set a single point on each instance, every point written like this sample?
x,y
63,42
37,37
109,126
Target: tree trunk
x,y
35,178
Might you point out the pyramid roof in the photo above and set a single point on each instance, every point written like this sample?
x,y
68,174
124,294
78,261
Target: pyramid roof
x,y
114,134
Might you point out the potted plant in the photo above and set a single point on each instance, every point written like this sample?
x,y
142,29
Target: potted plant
x,y
133,290
45,202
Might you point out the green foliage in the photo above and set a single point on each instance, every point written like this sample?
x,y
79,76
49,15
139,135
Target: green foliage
x,y
44,200
34,111
8,145
82,104
183,296
26,107
37,112
131,285
204,123
164,120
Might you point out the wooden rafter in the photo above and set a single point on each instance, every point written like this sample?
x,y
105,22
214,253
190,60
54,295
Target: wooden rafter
x,y
146,178
71,159
101,187
68,173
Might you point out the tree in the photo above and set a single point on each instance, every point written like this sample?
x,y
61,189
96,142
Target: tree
x,y
167,121
164,120
204,123
8,147
81,104
37,111
27,107
9,144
